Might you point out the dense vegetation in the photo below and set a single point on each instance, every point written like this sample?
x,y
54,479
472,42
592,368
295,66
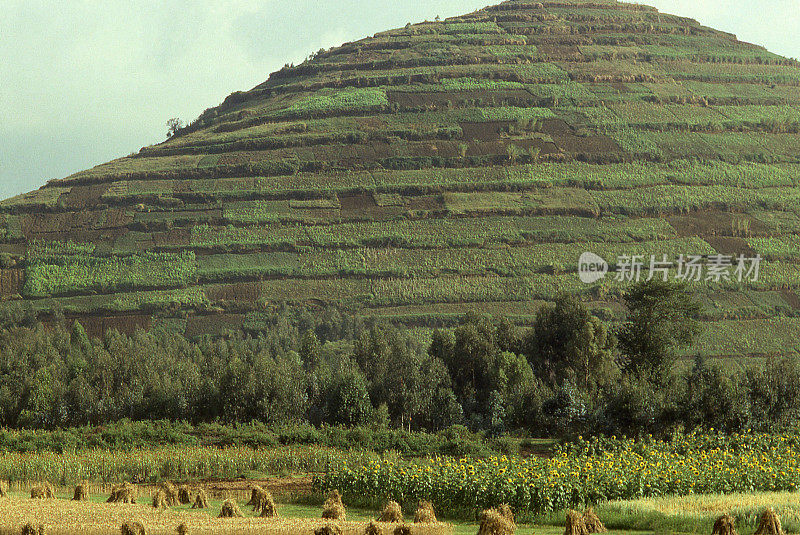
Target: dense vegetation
x,y
587,472
570,372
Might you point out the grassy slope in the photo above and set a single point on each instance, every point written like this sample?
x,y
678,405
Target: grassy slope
x,y
461,164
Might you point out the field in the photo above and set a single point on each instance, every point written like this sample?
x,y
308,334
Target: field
x,y
95,517
679,486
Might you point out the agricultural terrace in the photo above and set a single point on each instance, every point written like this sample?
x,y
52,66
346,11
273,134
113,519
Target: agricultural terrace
x,y
438,168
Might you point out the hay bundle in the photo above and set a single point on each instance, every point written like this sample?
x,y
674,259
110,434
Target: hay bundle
x,y
769,524
183,529
402,529
492,522
333,508
170,492
134,528
184,495
328,529
160,500
592,522
80,494
724,526
230,509
506,512
267,506
425,513
255,494
30,529
125,493
392,512
373,528
44,491
575,524
201,500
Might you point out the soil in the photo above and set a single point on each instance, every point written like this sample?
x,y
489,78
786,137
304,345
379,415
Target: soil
x,y
731,246
11,281
560,52
791,299
81,197
484,131
586,144
96,326
555,127
712,224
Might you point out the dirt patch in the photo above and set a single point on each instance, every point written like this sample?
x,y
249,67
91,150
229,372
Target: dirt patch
x,y
97,326
116,218
713,224
791,299
35,225
560,52
586,144
175,237
731,246
484,131
242,291
362,201
11,281
213,325
555,127
82,197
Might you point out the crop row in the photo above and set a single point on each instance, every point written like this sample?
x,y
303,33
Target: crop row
x,y
390,262
49,276
438,233
624,470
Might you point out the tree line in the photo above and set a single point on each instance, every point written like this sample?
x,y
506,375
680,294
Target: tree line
x,y
568,373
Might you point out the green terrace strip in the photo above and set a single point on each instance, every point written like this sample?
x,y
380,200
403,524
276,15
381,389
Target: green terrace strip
x,y
57,275
611,176
504,261
437,233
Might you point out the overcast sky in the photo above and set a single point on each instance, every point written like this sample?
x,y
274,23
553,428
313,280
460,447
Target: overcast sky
x,y
86,81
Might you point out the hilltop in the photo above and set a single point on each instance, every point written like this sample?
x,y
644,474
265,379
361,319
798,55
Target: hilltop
x,y
446,166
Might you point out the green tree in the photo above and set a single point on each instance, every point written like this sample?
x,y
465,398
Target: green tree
x,y
567,341
661,320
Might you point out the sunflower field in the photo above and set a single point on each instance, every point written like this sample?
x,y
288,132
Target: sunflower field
x,y
585,472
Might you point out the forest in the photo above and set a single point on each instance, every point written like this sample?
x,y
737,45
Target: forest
x,y
566,374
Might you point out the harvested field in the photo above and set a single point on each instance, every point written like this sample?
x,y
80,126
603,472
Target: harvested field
x,y
62,517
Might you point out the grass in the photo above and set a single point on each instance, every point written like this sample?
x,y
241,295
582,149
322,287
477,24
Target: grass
x,y
696,514
61,273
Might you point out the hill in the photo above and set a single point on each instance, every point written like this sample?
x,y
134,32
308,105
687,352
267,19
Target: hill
x,y
446,166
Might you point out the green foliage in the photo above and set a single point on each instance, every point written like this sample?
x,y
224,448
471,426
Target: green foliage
x,y
348,100
661,319
52,271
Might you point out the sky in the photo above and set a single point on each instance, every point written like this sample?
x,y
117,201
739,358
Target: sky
x,y
86,81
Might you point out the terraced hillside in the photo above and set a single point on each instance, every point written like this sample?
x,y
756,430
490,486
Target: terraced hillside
x,y
442,167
